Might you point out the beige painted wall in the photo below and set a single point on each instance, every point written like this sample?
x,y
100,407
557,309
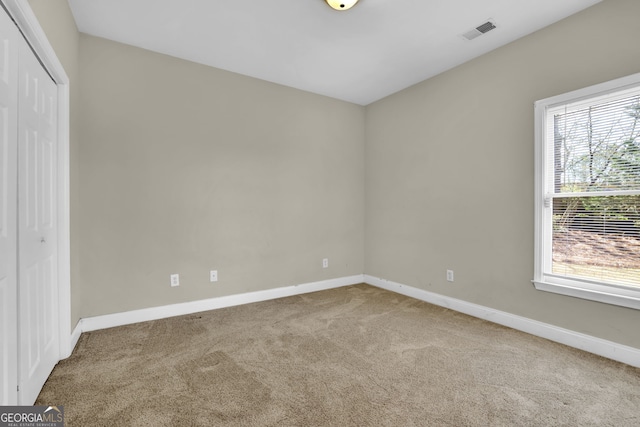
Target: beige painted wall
x,y
449,170
57,21
186,168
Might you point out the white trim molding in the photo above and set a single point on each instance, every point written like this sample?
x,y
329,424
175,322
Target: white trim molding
x,y
75,335
119,319
604,348
592,291
28,24
544,278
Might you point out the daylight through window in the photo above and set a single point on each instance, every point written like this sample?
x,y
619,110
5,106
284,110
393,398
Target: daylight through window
x,y
588,193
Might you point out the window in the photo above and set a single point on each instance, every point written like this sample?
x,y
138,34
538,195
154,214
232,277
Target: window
x,y
588,193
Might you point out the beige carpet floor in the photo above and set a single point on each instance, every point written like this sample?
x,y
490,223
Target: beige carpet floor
x,y
354,356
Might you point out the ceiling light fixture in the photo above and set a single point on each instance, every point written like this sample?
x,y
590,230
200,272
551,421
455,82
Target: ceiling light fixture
x,y
341,4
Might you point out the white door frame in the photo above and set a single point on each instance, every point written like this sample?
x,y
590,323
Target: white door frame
x,y
28,24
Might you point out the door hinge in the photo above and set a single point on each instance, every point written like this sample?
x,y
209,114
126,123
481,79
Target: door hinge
x,y
18,388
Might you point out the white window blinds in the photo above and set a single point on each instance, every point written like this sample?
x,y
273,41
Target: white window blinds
x,y
587,223
593,188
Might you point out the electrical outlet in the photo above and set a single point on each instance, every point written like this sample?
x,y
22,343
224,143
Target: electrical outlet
x,y
325,263
449,275
175,280
213,276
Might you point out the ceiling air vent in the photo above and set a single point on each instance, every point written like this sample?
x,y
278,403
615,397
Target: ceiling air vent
x,y
479,30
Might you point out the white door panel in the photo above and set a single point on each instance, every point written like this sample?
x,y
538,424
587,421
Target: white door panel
x,y
8,210
30,352
28,226
29,312
37,234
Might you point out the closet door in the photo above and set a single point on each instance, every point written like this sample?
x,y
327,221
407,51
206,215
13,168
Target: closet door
x,y
8,208
29,344
37,226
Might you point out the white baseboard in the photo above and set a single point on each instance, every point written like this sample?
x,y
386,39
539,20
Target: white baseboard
x,y
154,313
75,336
604,348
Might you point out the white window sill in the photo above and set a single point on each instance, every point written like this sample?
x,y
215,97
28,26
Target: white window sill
x,y
622,296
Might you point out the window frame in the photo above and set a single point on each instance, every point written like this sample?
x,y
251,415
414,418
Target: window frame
x,y
625,296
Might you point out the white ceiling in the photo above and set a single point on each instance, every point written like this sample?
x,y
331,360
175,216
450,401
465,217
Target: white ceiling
x,y
361,55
